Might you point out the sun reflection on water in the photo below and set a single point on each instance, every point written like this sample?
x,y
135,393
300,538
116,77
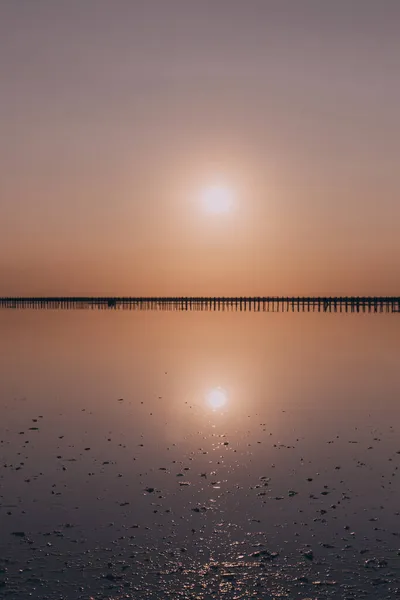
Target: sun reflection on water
x,y
217,398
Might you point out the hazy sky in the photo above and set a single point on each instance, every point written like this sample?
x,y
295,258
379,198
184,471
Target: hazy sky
x,y
114,115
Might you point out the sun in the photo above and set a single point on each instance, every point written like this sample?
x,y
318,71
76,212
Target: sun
x,y
217,398
217,199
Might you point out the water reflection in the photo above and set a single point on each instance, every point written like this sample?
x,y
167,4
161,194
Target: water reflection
x,y
217,398
260,458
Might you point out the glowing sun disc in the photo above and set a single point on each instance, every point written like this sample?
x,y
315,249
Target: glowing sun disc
x,y
217,199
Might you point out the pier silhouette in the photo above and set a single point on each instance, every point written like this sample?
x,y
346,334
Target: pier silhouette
x,y
342,304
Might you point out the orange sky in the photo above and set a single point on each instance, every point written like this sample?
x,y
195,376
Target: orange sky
x,y
114,117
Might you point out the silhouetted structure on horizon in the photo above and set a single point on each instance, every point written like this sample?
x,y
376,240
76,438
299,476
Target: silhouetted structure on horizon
x,y
342,304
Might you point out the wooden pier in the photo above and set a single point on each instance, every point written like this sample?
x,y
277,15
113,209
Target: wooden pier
x,y
336,304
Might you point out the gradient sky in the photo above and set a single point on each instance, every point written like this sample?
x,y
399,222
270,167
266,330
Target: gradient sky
x,y
114,115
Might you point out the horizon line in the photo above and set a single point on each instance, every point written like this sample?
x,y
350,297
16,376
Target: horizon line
x,y
197,297
363,304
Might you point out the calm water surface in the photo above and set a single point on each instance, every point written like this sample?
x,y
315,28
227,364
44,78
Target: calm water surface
x,y
199,455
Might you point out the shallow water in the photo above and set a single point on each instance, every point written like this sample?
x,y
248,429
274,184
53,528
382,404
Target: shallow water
x,y
118,479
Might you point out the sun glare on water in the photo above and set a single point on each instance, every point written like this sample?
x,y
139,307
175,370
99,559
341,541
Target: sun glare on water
x,y
217,398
